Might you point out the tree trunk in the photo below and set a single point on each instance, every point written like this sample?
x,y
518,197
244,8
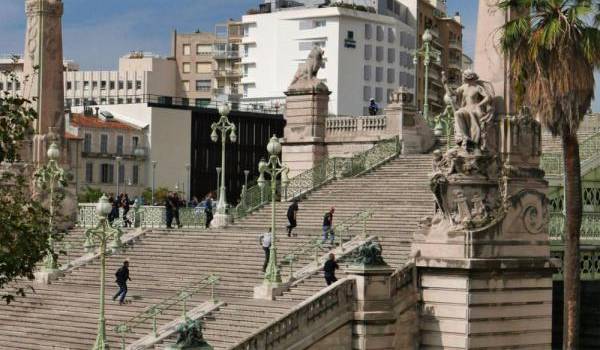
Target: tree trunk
x,y
573,212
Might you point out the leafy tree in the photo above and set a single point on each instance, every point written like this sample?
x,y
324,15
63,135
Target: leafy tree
x,y
23,220
160,195
90,195
553,49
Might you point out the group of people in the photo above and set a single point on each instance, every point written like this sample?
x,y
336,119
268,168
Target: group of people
x,y
265,240
120,201
173,202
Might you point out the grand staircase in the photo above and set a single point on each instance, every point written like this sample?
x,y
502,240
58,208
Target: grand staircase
x,y
63,315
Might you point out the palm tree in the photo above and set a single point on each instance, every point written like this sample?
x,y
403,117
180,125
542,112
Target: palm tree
x,y
553,49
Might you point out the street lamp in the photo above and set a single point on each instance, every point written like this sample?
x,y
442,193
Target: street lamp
x,y
445,120
218,181
225,127
48,177
153,178
139,155
102,233
273,167
427,52
118,161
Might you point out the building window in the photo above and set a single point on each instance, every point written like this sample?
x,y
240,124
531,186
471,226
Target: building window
x,y
103,85
94,85
368,52
186,67
368,31
135,172
69,85
89,172
379,53
203,85
129,84
308,45
138,84
121,85
378,94
391,75
203,67
120,101
1,86
187,49
245,70
111,101
86,85
68,102
135,140
106,173
77,102
185,85
203,49
379,35
119,144
391,35
378,74
366,93
87,143
391,55
121,175
390,92
111,85
201,102
138,100
102,100
320,23
103,143
367,73
185,101
246,49
129,100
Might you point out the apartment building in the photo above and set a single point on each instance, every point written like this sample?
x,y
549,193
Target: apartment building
x,y
208,64
368,55
11,73
102,139
447,40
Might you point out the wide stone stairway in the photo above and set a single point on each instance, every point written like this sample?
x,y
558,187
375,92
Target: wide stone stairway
x,y
64,315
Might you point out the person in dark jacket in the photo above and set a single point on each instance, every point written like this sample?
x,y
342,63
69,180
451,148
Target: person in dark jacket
x,y
169,209
328,225
208,210
122,275
114,213
373,107
177,202
329,269
125,204
291,216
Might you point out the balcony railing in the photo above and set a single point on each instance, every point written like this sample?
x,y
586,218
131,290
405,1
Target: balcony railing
x,y
226,91
455,45
227,73
226,55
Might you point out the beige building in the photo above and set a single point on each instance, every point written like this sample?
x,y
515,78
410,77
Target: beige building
x,y
208,64
95,141
447,39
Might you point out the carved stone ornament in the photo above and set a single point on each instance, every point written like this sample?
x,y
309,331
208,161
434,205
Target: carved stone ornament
x,y
306,75
401,96
534,209
370,255
52,8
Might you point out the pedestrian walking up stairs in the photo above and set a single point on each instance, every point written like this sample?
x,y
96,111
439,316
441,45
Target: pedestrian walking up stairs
x,y
163,263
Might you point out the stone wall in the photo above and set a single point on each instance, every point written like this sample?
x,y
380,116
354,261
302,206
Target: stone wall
x,y
341,339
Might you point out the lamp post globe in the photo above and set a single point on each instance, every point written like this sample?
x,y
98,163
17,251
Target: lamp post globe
x,y
427,37
103,207
53,153
224,109
274,147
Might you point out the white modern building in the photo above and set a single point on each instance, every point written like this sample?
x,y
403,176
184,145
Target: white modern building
x,y
368,55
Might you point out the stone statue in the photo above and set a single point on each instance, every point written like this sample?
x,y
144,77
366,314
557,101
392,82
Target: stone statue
x,y
190,336
475,111
370,255
306,75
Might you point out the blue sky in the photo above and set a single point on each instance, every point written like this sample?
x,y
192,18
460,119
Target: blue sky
x,y
97,32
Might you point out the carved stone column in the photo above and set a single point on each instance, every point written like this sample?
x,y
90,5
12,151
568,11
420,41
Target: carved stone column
x,y
304,133
43,72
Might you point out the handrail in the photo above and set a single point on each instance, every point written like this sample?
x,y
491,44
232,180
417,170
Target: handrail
x,y
322,173
315,245
590,227
336,298
552,163
181,297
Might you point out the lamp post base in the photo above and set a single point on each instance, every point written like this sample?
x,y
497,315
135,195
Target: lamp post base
x,y
269,290
221,220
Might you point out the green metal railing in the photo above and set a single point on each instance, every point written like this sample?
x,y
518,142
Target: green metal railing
x,y
324,172
315,246
552,163
180,298
590,228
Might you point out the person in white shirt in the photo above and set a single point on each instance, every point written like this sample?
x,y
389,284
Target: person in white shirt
x,y
265,243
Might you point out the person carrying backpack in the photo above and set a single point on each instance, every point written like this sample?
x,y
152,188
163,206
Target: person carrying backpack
x,y
122,276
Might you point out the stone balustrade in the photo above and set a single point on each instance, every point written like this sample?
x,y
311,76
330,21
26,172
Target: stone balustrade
x,y
312,316
355,124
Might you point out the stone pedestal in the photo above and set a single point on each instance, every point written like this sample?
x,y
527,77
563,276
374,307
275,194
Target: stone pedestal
x,y
304,133
373,325
221,220
268,291
403,120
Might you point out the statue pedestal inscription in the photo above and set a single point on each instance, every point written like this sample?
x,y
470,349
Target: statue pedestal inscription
x,y
483,257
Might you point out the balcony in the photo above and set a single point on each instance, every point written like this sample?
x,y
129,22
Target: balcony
x,y
454,63
455,45
226,91
227,73
226,55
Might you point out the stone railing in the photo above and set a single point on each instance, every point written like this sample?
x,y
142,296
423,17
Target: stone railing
x,y
341,125
401,278
333,302
146,216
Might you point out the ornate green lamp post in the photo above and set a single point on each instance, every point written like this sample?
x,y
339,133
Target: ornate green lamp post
x,y
428,53
102,233
47,178
222,219
444,122
273,167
